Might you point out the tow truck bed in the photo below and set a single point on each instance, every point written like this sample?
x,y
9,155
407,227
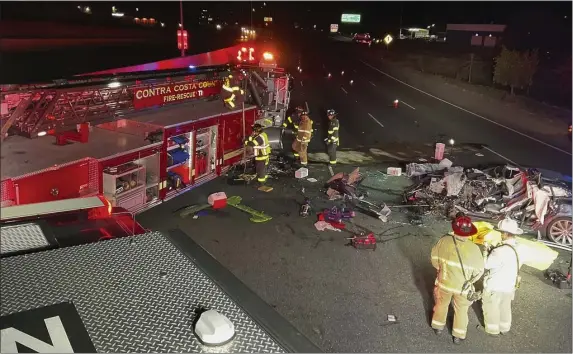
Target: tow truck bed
x,y
140,294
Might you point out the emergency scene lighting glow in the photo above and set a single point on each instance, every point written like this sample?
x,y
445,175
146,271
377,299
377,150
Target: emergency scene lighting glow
x,y
274,176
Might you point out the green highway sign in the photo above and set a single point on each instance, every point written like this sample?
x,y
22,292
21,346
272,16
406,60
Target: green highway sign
x,y
350,18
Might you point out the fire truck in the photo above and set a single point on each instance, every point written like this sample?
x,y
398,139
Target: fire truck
x,y
137,135
77,272
78,275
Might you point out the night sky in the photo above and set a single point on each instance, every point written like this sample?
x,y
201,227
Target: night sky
x,y
540,23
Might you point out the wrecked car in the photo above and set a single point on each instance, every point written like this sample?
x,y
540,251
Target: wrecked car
x,y
537,200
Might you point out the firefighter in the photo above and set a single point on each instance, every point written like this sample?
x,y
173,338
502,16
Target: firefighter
x,y
460,264
304,134
293,120
333,140
230,92
260,143
502,265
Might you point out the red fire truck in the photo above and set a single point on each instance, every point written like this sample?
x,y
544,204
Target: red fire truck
x,y
77,272
137,138
78,275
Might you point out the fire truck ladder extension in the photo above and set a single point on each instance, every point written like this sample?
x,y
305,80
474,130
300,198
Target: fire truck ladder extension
x,y
62,105
12,119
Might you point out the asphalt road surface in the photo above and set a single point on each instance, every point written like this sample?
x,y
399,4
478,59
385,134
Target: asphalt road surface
x,y
340,297
363,95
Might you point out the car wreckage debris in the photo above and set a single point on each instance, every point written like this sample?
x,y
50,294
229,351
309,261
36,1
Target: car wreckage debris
x,y
345,186
494,193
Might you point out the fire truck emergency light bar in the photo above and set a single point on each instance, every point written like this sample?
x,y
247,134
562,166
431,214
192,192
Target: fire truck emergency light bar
x,y
17,212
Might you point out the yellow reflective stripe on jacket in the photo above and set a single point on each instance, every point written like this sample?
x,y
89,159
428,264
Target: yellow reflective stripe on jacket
x,y
456,264
227,88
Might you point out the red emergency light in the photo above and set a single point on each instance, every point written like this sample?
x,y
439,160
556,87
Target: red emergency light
x,y
250,55
182,39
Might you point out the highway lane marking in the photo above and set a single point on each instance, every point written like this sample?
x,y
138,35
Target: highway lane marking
x,y
371,83
407,104
503,157
301,84
342,88
376,120
468,111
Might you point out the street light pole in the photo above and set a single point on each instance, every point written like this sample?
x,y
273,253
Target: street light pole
x,y
181,21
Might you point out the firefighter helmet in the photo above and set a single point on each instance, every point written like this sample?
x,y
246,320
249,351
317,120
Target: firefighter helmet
x,y
257,128
463,226
331,112
299,109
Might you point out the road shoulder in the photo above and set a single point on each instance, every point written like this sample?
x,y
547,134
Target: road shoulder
x,y
534,119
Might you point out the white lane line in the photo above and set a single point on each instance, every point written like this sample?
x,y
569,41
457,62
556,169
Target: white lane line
x,y
342,88
376,120
467,111
301,84
407,104
503,157
371,83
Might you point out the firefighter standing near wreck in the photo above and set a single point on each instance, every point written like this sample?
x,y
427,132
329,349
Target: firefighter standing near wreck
x,y
501,280
300,145
230,91
460,264
293,120
260,143
333,140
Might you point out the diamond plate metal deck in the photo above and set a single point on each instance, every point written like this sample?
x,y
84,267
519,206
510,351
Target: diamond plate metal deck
x,y
134,294
21,237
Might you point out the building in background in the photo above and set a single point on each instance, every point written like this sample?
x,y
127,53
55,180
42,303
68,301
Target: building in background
x,y
475,35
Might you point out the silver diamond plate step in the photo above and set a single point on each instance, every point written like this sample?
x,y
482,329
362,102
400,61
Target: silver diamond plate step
x,y
133,294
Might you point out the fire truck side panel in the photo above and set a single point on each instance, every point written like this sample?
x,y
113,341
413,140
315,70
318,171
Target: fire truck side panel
x,y
72,180
123,158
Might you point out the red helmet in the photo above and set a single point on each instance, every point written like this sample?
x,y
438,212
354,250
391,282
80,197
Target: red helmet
x,y
462,226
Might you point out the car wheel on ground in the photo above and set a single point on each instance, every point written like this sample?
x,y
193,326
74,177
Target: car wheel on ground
x,y
560,230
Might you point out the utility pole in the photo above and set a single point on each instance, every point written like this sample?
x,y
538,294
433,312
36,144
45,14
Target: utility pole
x,y
400,29
182,28
471,67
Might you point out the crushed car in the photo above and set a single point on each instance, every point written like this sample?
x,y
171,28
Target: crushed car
x,y
535,199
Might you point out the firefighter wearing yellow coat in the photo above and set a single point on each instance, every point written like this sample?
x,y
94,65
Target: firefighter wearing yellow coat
x,y
260,143
293,120
459,264
300,145
230,91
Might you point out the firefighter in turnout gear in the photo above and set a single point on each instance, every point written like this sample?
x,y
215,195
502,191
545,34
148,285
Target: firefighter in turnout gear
x,y
260,143
293,120
300,145
333,140
230,92
501,280
460,264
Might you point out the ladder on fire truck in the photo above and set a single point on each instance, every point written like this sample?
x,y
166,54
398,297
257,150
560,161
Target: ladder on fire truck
x,y
37,110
